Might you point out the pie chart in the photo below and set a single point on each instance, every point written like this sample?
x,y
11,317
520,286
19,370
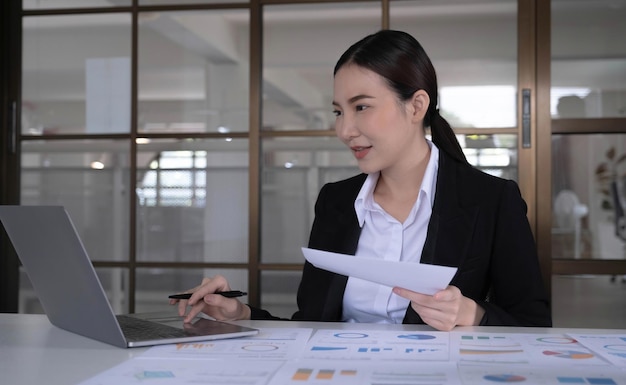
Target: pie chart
x,y
504,378
572,354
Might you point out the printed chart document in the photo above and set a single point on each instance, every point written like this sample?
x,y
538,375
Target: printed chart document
x,y
184,371
419,277
611,347
268,344
279,356
553,350
378,345
544,375
355,372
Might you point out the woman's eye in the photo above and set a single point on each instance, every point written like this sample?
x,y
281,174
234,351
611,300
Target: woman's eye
x,y
361,107
337,113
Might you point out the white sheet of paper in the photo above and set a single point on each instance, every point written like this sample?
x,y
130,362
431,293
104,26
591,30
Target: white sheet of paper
x,y
418,277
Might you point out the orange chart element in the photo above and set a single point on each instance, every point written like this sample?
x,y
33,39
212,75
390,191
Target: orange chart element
x,y
325,374
304,374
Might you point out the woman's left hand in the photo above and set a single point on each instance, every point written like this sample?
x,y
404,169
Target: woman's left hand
x,y
445,309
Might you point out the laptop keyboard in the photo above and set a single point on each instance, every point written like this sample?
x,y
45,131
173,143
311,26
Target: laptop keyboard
x,y
136,329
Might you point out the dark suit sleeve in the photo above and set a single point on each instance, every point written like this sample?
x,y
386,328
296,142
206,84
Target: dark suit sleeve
x,y
516,295
492,245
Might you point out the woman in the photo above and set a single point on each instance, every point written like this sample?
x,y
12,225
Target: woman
x,y
416,201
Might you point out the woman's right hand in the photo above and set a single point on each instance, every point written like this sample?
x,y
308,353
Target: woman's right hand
x,y
204,299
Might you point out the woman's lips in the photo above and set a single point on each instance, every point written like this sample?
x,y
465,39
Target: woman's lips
x,y
360,152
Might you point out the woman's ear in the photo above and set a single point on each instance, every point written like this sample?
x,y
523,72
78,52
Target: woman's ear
x,y
420,101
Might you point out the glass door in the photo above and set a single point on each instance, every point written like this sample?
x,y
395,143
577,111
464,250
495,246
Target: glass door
x,y
588,145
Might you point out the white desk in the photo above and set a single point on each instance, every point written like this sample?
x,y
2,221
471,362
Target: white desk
x,y
32,351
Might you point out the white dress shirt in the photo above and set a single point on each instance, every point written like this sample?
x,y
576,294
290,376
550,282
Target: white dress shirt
x,y
384,237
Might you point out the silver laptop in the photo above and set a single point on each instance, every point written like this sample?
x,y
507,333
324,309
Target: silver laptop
x,y
70,292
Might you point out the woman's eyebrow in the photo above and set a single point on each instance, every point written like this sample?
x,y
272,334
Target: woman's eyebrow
x,y
355,98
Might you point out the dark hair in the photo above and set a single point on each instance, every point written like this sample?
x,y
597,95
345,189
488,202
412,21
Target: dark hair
x,y
401,60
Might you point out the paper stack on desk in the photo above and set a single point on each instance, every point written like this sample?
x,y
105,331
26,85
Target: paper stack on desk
x,y
418,277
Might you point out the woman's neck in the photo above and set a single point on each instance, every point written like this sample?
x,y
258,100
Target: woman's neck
x,y
397,188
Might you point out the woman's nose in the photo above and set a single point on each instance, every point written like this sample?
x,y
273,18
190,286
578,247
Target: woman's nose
x,y
345,128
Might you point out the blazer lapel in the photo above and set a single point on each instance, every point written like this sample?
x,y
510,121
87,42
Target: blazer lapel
x,y
346,242
451,223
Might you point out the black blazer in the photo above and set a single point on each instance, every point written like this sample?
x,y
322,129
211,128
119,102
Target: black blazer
x,y
478,224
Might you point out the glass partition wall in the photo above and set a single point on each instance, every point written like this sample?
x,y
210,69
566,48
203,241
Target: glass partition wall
x,y
191,139
588,111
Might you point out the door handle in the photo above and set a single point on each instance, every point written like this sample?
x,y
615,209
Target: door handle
x,y
526,118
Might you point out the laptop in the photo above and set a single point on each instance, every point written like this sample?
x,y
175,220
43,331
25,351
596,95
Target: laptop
x,y
70,292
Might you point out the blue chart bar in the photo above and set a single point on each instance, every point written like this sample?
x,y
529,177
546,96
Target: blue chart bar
x,y
581,380
374,350
327,348
505,378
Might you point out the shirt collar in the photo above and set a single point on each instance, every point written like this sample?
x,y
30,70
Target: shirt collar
x,y
365,200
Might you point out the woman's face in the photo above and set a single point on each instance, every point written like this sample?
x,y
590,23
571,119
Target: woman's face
x,y
381,131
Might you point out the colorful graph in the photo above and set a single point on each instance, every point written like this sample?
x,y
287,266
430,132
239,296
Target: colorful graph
x,y
304,374
351,335
504,378
154,374
417,336
374,350
328,348
557,340
195,345
570,354
619,348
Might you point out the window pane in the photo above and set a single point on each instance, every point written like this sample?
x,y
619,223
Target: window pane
x,y
301,44
192,214
477,80
91,180
279,290
587,223
154,285
588,59
193,71
76,74
57,4
294,170
494,154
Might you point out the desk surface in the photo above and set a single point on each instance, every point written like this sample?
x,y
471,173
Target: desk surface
x,y
33,351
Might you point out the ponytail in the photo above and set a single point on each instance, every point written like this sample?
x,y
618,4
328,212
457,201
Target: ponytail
x,y
443,136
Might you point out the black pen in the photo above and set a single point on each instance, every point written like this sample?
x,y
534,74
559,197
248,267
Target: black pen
x,y
227,294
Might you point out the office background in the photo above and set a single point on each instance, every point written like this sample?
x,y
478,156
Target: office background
x,y
191,138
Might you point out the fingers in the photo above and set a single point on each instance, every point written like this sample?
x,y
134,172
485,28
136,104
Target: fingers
x,y
440,310
196,303
193,311
451,293
218,307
